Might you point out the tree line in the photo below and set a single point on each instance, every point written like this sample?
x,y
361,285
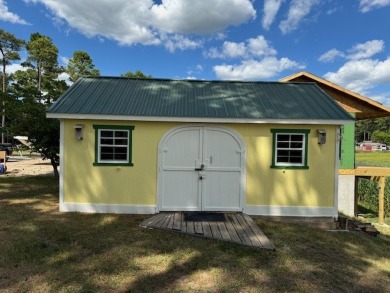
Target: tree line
x,y
26,94
376,130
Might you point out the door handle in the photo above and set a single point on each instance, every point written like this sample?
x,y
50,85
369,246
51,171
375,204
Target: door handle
x,y
200,169
202,177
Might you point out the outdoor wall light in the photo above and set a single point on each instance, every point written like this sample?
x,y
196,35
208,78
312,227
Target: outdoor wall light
x,y
321,133
78,131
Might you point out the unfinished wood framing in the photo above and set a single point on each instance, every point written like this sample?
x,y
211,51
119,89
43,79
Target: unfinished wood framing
x,y
375,174
352,102
237,228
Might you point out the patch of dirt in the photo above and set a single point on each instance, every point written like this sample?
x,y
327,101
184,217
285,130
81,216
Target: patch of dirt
x,y
28,166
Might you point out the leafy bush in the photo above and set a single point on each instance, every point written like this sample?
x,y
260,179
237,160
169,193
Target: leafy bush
x,y
368,192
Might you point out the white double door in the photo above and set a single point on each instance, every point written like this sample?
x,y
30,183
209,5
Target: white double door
x,y
201,169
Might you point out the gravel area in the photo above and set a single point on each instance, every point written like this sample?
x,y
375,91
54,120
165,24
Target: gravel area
x,y
28,166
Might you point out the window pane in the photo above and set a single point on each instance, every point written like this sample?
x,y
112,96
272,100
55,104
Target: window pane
x,y
296,145
282,160
121,141
120,157
296,154
107,150
120,150
297,137
121,133
106,133
106,141
283,145
285,153
106,156
296,160
283,137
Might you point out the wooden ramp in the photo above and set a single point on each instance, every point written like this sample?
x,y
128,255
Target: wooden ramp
x,y
236,227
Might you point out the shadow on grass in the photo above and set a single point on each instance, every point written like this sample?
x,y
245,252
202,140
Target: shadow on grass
x,y
46,251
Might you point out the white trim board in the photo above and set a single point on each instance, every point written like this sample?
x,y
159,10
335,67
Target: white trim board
x,y
196,119
62,160
297,211
107,208
287,211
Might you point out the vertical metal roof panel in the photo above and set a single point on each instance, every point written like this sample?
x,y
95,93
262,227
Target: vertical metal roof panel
x,y
189,98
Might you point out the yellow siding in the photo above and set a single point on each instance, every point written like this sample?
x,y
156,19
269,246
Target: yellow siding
x,y
137,185
290,187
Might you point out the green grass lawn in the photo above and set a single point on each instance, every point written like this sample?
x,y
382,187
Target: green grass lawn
x,y
377,158
43,250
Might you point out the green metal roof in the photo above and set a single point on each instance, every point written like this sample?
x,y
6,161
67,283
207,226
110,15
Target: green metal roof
x,y
117,96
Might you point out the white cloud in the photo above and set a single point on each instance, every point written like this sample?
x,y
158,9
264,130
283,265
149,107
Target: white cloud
x,y
65,77
233,50
64,60
199,67
253,69
366,50
297,12
331,55
382,98
253,47
194,70
178,42
357,52
260,47
201,16
12,68
145,22
368,5
362,75
271,8
5,15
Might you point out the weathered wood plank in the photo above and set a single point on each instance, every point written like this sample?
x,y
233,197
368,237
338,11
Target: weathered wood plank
x,y
177,221
260,235
198,227
224,232
183,223
190,227
164,222
240,231
151,222
206,229
248,231
155,219
214,230
232,231
170,223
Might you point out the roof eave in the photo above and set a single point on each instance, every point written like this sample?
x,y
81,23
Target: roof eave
x,y
199,119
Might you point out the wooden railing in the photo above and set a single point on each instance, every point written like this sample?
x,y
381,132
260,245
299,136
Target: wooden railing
x,y
376,174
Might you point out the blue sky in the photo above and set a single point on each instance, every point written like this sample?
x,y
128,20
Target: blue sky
x,y
346,42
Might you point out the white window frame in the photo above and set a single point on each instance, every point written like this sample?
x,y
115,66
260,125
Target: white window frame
x,y
98,147
303,149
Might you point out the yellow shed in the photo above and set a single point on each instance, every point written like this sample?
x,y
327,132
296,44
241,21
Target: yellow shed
x,y
150,145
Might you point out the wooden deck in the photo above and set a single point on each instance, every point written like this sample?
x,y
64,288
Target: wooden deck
x,y
237,228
